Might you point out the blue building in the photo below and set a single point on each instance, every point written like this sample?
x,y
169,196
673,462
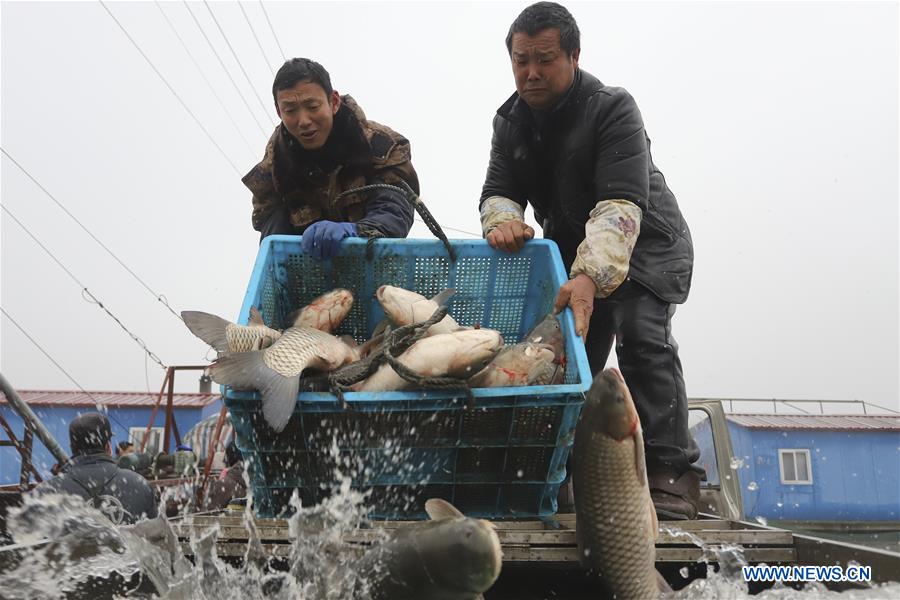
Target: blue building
x,y
814,467
129,414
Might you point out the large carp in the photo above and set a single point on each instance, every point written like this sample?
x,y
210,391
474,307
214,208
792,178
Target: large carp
x,y
275,371
451,557
616,526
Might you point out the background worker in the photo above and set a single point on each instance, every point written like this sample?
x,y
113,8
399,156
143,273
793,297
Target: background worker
x,y
576,150
120,494
323,146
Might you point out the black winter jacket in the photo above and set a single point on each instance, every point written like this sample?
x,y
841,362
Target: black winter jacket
x,y
592,147
122,495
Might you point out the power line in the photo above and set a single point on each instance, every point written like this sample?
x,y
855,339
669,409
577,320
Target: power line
x,y
205,78
224,68
272,29
240,65
159,297
84,290
253,31
171,89
66,373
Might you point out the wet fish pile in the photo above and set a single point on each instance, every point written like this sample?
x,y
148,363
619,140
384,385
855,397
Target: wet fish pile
x,y
442,352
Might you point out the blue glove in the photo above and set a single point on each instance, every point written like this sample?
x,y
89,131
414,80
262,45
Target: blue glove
x,y
322,239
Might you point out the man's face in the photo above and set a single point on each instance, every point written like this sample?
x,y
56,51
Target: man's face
x,y
307,113
543,70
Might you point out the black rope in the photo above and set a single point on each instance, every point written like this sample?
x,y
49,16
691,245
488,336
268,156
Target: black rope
x,y
416,203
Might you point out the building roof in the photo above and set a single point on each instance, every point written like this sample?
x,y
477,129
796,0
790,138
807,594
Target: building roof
x,y
820,422
126,399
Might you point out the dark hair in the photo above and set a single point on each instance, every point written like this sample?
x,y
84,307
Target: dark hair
x,y
89,433
124,445
300,69
547,15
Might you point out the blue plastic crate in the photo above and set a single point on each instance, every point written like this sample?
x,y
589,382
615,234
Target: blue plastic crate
x,y
504,458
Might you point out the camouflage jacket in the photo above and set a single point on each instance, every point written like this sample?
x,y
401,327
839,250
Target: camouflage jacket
x,y
306,183
585,167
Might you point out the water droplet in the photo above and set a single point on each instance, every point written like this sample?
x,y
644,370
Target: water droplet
x,y
779,504
683,571
520,473
762,520
736,463
752,486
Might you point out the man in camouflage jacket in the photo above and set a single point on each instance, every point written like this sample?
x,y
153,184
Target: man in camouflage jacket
x,y
577,151
323,146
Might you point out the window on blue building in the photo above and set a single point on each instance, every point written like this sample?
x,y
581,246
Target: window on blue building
x,y
154,443
795,466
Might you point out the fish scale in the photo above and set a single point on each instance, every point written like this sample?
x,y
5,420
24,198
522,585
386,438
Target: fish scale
x,y
249,337
297,349
614,519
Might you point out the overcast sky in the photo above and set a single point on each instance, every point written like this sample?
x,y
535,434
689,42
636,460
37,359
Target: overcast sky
x,y
775,124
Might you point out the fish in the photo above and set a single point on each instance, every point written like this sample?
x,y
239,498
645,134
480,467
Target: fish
x,y
226,336
549,331
404,307
615,522
520,364
458,354
451,557
325,313
275,371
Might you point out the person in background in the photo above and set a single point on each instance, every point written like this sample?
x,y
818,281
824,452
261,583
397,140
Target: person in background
x,y
230,483
323,146
124,448
122,495
576,150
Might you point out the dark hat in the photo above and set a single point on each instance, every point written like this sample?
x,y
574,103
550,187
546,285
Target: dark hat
x,y
89,432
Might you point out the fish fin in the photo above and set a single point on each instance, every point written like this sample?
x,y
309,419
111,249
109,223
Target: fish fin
x,y
661,583
444,297
247,371
438,508
240,370
279,398
209,328
255,317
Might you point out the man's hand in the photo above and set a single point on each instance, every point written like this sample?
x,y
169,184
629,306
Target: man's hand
x,y
578,294
322,239
510,236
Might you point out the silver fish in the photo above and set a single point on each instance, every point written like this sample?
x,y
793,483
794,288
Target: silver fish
x,y
275,371
324,313
226,336
458,354
615,525
519,364
404,307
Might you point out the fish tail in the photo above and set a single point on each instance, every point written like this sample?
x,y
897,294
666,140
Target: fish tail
x,y
207,327
247,371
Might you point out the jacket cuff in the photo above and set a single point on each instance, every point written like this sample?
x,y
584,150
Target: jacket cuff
x,y
497,210
609,238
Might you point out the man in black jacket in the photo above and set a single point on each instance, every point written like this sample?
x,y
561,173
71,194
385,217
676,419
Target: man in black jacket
x,y
323,147
576,149
122,495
